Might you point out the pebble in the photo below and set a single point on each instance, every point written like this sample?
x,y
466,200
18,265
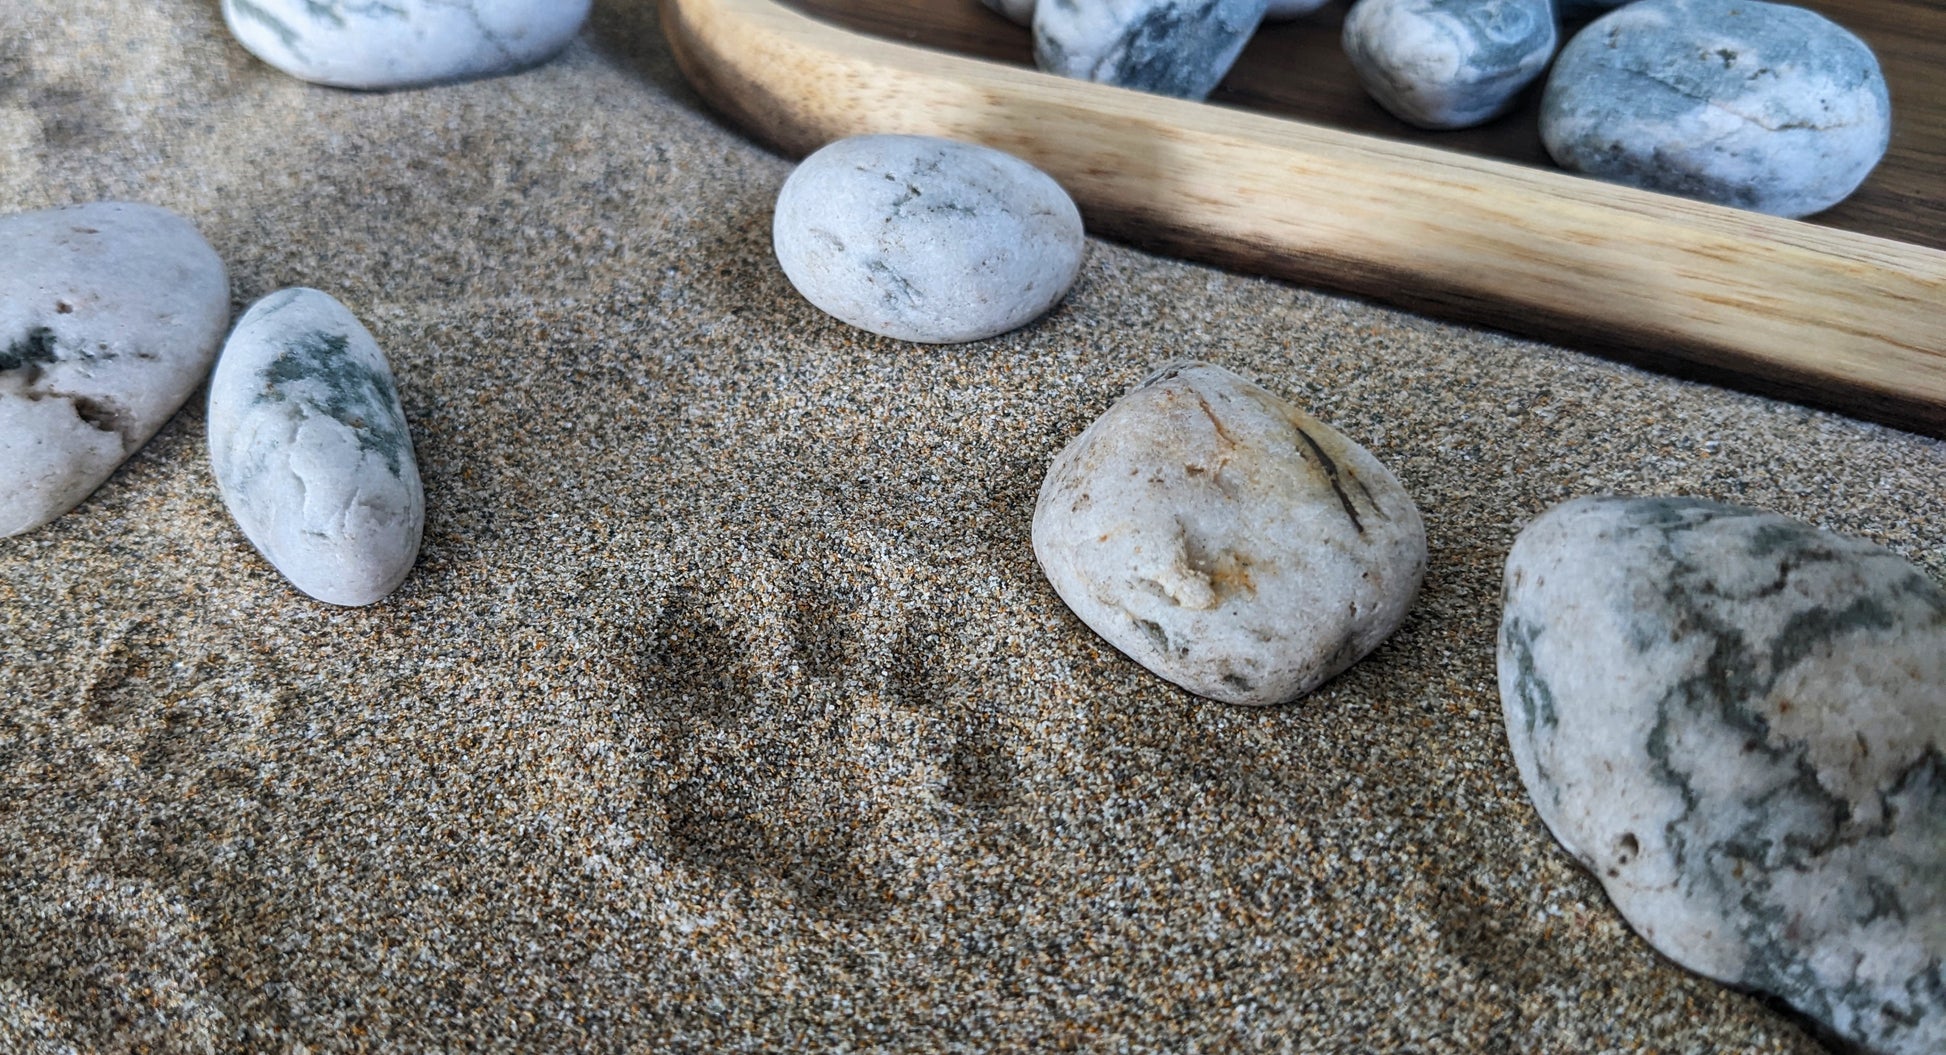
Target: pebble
x,y
311,450
1021,11
1226,540
110,314
1448,63
402,43
925,239
1170,47
1756,105
1735,720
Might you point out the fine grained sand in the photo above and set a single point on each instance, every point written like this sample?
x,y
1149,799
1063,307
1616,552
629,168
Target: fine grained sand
x,y
727,710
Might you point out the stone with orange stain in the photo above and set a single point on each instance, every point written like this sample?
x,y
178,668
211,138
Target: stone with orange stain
x,y
1226,540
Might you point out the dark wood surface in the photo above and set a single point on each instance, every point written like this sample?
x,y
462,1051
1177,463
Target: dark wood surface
x,y
1298,69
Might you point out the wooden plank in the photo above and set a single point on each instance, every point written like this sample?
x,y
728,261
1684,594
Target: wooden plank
x,y
1816,314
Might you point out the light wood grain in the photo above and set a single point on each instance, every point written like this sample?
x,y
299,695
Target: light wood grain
x,y
1823,316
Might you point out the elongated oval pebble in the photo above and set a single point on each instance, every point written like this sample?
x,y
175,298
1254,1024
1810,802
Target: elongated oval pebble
x,y
402,43
311,450
110,314
1736,722
1226,540
926,239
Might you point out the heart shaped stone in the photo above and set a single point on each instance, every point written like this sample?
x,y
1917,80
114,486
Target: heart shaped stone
x,y
1735,721
110,314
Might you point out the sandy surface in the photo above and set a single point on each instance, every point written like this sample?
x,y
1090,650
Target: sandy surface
x,y
727,709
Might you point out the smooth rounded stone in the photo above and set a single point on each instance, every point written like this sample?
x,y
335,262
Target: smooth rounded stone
x,y
1226,540
1738,102
925,239
1021,11
110,314
1284,10
1170,47
1735,721
1448,63
311,450
401,43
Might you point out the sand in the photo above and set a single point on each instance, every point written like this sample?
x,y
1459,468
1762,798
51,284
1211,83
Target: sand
x,y
727,709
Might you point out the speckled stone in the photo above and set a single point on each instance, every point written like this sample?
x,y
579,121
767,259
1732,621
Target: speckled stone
x,y
1021,11
1170,47
1226,540
311,449
110,314
1739,102
402,43
1735,720
1448,63
926,239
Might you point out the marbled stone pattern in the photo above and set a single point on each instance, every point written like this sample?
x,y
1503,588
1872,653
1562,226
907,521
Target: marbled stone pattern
x,y
110,314
1021,11
1735,721
1739,102
311,450
402,43
1170,47
1448,63
926,239
1226,540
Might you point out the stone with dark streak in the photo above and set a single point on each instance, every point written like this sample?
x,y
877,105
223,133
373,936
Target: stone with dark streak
x,y
926,239
1739,102
1226,540
110,314
1448,63
311,450
1170,47
1736,720
402,43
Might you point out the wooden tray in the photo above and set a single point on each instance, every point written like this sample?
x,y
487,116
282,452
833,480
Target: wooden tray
x,y
1848,311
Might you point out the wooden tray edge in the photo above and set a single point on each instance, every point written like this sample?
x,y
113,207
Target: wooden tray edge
x,y
1811,314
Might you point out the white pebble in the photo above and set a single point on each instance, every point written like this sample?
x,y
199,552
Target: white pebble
x,y
110,314
926,239
1226,540
311,450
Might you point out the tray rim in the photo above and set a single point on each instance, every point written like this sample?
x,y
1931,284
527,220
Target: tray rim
x,y
1815,314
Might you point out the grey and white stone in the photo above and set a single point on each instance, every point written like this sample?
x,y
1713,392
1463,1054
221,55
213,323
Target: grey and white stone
x,y
1284,10
311,450
926,239
1226,540
1021,11
402,43
1448,63
1756,105
1170,47
1735,721
110,314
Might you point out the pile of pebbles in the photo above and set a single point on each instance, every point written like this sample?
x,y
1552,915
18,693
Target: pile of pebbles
x,y
1733,719
113,313
1744,103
